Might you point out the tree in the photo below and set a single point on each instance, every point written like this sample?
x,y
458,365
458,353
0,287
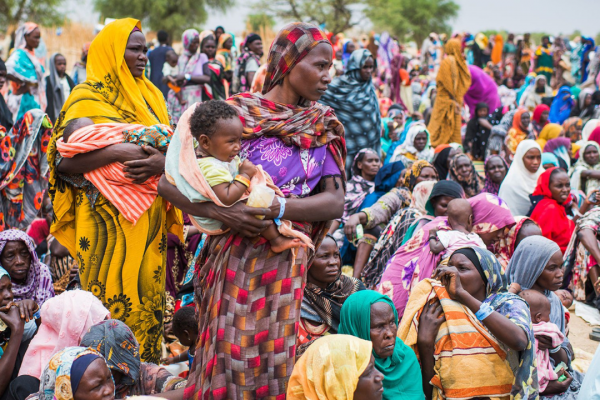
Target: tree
x,y
411,18
335,15
44,12
173,16
260,21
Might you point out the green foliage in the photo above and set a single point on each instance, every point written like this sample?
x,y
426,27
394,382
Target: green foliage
x,y
335,14
44,12
260,21
575,34
173,16
412,18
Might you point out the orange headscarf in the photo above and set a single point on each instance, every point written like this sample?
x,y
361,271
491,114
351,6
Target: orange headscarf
x,y
497,50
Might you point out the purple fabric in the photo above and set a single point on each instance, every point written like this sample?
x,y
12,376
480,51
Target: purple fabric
x,y
294,170
174,245
483,89
38,286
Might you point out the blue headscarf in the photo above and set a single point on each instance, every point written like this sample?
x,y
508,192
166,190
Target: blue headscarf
x,y
385,180
4,273
584,64
549,158
529,81
561,107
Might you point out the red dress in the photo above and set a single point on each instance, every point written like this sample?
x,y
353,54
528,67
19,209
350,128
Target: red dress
x,y
550,215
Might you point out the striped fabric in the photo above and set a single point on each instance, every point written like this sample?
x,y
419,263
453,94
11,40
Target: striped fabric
x,y
462,345
131,199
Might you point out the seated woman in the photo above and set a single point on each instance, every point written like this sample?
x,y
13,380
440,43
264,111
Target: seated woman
x,y
585,175
478,132
429,200
495,171
325,292
31,280
415,147
463,171
540,118
517,133
550,200
537,264
369,315
505,247
115,341
382,212
469,304
549,132
65,319
521,179
444,153
414,261
76,373
336,367
561,148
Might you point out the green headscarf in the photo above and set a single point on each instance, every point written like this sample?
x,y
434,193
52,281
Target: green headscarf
x,y
402,373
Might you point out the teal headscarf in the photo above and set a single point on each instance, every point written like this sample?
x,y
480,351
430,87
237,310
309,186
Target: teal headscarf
x,y
402,373
386,142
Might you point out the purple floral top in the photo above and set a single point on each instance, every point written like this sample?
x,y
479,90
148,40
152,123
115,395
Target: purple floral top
x,y
294,170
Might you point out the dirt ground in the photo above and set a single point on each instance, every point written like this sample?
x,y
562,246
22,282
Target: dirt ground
x,y
579,334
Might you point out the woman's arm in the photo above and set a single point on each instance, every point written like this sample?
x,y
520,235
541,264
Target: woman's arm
x,y
586,173
86,162
239,218
7,362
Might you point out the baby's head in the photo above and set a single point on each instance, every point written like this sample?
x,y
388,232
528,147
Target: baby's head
x,y
171,57
566,297
185,325
539,305
218,129
460,215
75,124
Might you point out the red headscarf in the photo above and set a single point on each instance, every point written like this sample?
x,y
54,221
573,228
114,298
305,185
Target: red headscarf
x,y
595,135
538,111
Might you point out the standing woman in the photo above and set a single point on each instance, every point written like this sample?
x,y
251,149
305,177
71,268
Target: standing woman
x,y
453,81
25,73
353,98
224,56
236,273
519,132
120,263
248,63
215,88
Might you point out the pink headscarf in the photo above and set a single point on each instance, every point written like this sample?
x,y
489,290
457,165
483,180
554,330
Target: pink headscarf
x,y
65,319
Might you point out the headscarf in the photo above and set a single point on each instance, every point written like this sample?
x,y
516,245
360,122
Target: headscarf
x,y
582,165
473,184
549,158
444,188
223,54
247,54
560,148
191,63
38,285
421,195
519,183
408,146
402,373
585,112
60,378
385,140
411,176
426,97
440,161
330,368
357,187
561,108
497,49
571,125
355,103
505,247
20,33
115,341
516,134
537,113
483,89
65,319
56,87
588,128
595,135
386,179
526,266
550,131
490,186
529,83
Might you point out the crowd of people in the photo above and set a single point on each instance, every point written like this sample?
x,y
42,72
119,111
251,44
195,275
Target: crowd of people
x,y
341,219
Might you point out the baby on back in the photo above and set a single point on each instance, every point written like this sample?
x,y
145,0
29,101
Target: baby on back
x,y
460,219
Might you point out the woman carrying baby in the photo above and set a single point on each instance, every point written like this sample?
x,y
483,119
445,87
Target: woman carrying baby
x,y
240,284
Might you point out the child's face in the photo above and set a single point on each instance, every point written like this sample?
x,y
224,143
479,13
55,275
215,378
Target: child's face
x,y
61,65
566,298
172,59
482,113
225,143
6,294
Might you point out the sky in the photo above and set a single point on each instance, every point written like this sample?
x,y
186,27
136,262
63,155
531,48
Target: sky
x,y
551,16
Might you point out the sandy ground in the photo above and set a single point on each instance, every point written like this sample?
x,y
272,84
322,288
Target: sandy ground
x,y
579,334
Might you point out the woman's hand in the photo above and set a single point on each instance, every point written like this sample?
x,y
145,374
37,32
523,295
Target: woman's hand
x,y
142,169
556,387
544,342
124,152
448,276
350,226
430,321
12,318
27,308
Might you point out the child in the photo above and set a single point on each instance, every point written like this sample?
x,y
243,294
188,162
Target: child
x,y
218,130
185,328
170,72
58,86
460,219
539,307
566,298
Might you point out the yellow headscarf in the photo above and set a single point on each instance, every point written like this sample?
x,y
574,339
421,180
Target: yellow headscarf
x,y
550,131
330,368
481,40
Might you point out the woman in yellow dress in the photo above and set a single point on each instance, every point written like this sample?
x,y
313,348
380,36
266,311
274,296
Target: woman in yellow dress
x,y
123,264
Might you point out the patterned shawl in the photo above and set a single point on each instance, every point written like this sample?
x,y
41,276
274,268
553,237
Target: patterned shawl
x,y
473,184
357,188
490,186
580,166
516,134
411,175
355,104
38,286
504,248
408,147
571,125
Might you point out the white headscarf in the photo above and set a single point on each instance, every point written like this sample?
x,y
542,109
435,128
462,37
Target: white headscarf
x,y
409,147
519,182
588,128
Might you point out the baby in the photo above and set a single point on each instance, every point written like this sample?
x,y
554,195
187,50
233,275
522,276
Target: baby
x,y
218,130
460,219
539,307
185,328
170,72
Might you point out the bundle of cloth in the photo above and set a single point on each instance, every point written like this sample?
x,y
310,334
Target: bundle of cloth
x,y
131,199
182,171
